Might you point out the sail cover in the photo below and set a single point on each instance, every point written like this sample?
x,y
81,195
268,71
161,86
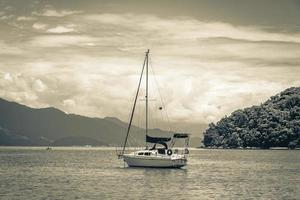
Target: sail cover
x,y
157,139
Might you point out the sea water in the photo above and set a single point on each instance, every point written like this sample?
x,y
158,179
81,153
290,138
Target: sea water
x,y
96,173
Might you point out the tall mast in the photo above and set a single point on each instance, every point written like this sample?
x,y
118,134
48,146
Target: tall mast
x,y
135,100
147,55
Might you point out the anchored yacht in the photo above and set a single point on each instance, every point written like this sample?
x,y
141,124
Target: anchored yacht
x,y
164,152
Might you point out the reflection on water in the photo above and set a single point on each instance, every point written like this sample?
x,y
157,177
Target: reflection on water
x,y
95,173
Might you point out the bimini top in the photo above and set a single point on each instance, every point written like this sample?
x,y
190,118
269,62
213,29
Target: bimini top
x,y
180,135
157,139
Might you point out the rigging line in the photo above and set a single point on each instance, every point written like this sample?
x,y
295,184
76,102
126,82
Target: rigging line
x,y
161,97
139,114
136,96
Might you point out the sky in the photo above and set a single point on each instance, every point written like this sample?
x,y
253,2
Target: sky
x,y
210,57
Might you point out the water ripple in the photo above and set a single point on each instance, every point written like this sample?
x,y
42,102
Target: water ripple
x,y
77,173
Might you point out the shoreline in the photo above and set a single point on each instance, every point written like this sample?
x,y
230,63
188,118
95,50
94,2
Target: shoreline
x,y
251,148
132,148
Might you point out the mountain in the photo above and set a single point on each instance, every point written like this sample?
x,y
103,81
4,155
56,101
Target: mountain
x,y
22,125
8,138
275,123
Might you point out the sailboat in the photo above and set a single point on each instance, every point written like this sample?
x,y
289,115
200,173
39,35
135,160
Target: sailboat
x,y
163,153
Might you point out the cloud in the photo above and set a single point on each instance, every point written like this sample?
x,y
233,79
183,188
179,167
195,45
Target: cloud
x,y
62,40
8,49
61,29
207,69
16,87
39,86
7,77
6,17
191,38
9,8
188,28
69,103
39,26
51,12
26,18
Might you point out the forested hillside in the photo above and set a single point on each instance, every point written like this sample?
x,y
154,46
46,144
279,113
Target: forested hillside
x,y
275,123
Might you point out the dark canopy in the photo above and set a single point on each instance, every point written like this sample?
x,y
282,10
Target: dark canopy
x,y
180,135
157,139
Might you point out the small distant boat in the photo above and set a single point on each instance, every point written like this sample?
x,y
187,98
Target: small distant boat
x,y
165,156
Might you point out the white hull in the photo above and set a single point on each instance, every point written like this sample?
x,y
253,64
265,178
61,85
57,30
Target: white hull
x,y
155,161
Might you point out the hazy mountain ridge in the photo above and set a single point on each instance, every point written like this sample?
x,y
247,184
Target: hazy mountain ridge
x,y
275,123
22,125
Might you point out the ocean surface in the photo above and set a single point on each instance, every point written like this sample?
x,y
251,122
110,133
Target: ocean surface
x,y
95,173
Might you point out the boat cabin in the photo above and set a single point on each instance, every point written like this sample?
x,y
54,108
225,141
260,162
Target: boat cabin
x,y
161,151
165,146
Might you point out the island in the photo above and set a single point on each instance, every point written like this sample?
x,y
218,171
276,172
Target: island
x,y
274,123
